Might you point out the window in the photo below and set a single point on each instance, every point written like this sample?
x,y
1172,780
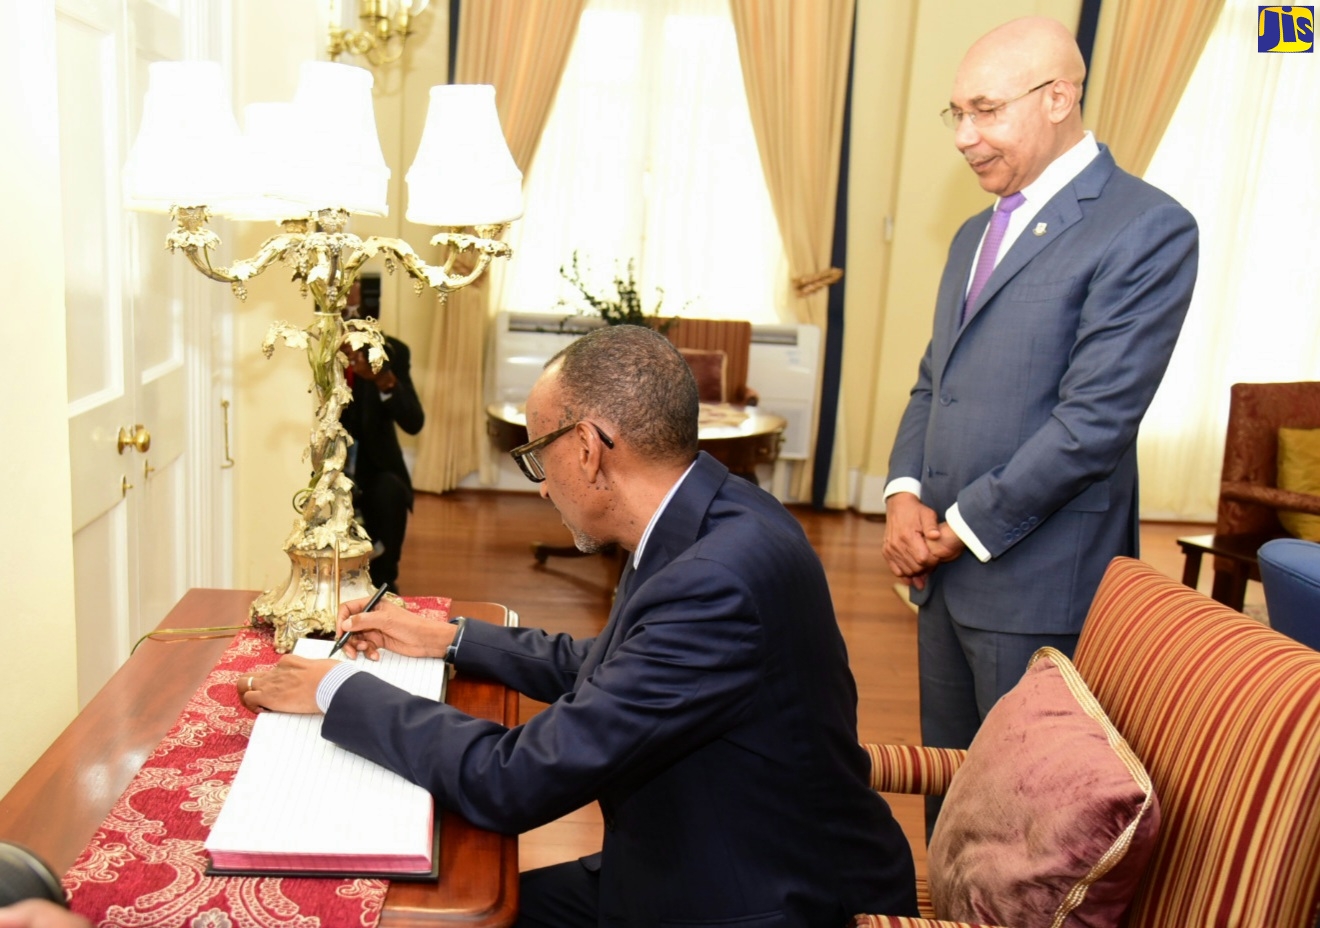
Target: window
x,y
649,156
1240,153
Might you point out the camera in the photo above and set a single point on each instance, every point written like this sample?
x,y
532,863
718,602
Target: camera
x,y
24,875
370,284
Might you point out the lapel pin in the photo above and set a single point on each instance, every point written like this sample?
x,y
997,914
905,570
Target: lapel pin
x,y
1040,229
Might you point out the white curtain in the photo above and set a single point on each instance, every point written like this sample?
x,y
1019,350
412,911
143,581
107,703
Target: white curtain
x,y
649,156
1241,154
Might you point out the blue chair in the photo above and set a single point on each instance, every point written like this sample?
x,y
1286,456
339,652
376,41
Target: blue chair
x,y
1290,573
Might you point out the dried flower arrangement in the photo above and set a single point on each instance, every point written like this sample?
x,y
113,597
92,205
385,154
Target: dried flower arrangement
x,y
622,307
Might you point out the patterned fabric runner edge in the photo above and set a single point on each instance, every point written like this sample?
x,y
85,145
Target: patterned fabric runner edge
x,y
145,866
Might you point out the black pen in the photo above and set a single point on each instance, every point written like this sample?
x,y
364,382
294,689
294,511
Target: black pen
x,y
371,604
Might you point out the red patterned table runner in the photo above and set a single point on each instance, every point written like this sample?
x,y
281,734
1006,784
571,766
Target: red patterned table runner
x,y
145,866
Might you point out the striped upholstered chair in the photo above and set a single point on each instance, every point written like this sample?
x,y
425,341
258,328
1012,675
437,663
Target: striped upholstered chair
x,y
1225,715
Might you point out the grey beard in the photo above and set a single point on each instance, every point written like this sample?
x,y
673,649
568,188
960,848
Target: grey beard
x,y
586,543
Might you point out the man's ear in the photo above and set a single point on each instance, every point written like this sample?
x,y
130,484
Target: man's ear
x,y
1064,96
591,451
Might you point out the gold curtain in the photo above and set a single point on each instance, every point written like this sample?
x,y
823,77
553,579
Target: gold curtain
x,y
794,56
1147,53
521,48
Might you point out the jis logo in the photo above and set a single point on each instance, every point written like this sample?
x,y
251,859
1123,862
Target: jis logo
x,y
1285,29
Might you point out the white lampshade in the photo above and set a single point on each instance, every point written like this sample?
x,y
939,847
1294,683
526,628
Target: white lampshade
x,y
186,146
272,134
338,162
464,174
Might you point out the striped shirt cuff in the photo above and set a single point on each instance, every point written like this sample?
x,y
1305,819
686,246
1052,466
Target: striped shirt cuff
x,y
331,683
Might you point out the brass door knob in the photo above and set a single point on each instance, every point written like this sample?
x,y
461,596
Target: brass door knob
x,y
139,438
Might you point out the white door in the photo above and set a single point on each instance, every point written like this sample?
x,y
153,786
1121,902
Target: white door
x,y
136,395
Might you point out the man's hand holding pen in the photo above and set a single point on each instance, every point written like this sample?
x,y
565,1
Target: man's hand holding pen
x,y
344,634
291,685
393,628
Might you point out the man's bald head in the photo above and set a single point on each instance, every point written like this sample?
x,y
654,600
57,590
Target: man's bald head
x,y
1032,49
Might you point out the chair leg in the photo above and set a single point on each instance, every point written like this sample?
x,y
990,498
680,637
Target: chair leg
x,y
542,551
1191,567
1230,587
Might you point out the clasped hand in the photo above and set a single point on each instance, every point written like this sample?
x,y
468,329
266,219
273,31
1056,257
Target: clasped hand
x,y
291,685
916,541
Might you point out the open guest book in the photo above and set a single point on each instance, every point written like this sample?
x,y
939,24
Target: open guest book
x,y
301,806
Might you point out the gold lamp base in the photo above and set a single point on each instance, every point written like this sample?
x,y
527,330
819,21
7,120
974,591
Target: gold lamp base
x,y
308,602
327,260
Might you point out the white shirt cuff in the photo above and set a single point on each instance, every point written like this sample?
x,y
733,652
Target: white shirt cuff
x,y
903,485
331,683
964,531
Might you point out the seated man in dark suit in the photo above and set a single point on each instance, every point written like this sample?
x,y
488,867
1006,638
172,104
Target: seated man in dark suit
x,y
381,399
714,719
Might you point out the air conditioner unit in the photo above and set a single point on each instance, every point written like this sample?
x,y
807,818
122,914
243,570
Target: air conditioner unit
x,y
784,368
524,342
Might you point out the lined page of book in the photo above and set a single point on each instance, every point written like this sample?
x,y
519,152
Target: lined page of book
x,y
300,803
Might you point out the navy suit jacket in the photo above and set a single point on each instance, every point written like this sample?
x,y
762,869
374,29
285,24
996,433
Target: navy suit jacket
x,y
1027,414
714,719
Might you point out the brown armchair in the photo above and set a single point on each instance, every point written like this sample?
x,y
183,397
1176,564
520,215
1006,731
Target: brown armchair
x,y
1224,715
719,352
1249,496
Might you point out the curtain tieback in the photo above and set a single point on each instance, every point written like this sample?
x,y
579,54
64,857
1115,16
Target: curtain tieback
x,y
808,284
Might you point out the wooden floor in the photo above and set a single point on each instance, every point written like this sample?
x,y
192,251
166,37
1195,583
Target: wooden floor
x,y
476,545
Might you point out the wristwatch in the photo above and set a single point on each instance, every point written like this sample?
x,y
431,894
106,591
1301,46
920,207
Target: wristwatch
x,y
452,651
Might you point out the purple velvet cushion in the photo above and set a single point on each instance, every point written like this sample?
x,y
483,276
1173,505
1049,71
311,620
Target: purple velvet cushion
x,y
1051,818
708,367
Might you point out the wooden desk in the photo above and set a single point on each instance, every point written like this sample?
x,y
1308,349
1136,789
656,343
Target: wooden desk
x,y
739,437
57,806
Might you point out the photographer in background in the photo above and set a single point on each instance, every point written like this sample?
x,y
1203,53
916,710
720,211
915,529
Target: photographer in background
x,y
383,492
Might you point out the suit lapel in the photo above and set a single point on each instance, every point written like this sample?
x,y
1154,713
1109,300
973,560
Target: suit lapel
x,y
954,288
680,524
1057,216
674,532
621,590
605,640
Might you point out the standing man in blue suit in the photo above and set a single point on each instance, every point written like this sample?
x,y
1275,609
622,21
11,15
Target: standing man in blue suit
x,y
1013,478
714,718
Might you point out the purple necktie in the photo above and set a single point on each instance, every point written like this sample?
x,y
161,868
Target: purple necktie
x,y
994,236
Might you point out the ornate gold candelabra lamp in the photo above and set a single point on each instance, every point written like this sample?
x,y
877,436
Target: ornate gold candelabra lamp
x,y
386,25
451,185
